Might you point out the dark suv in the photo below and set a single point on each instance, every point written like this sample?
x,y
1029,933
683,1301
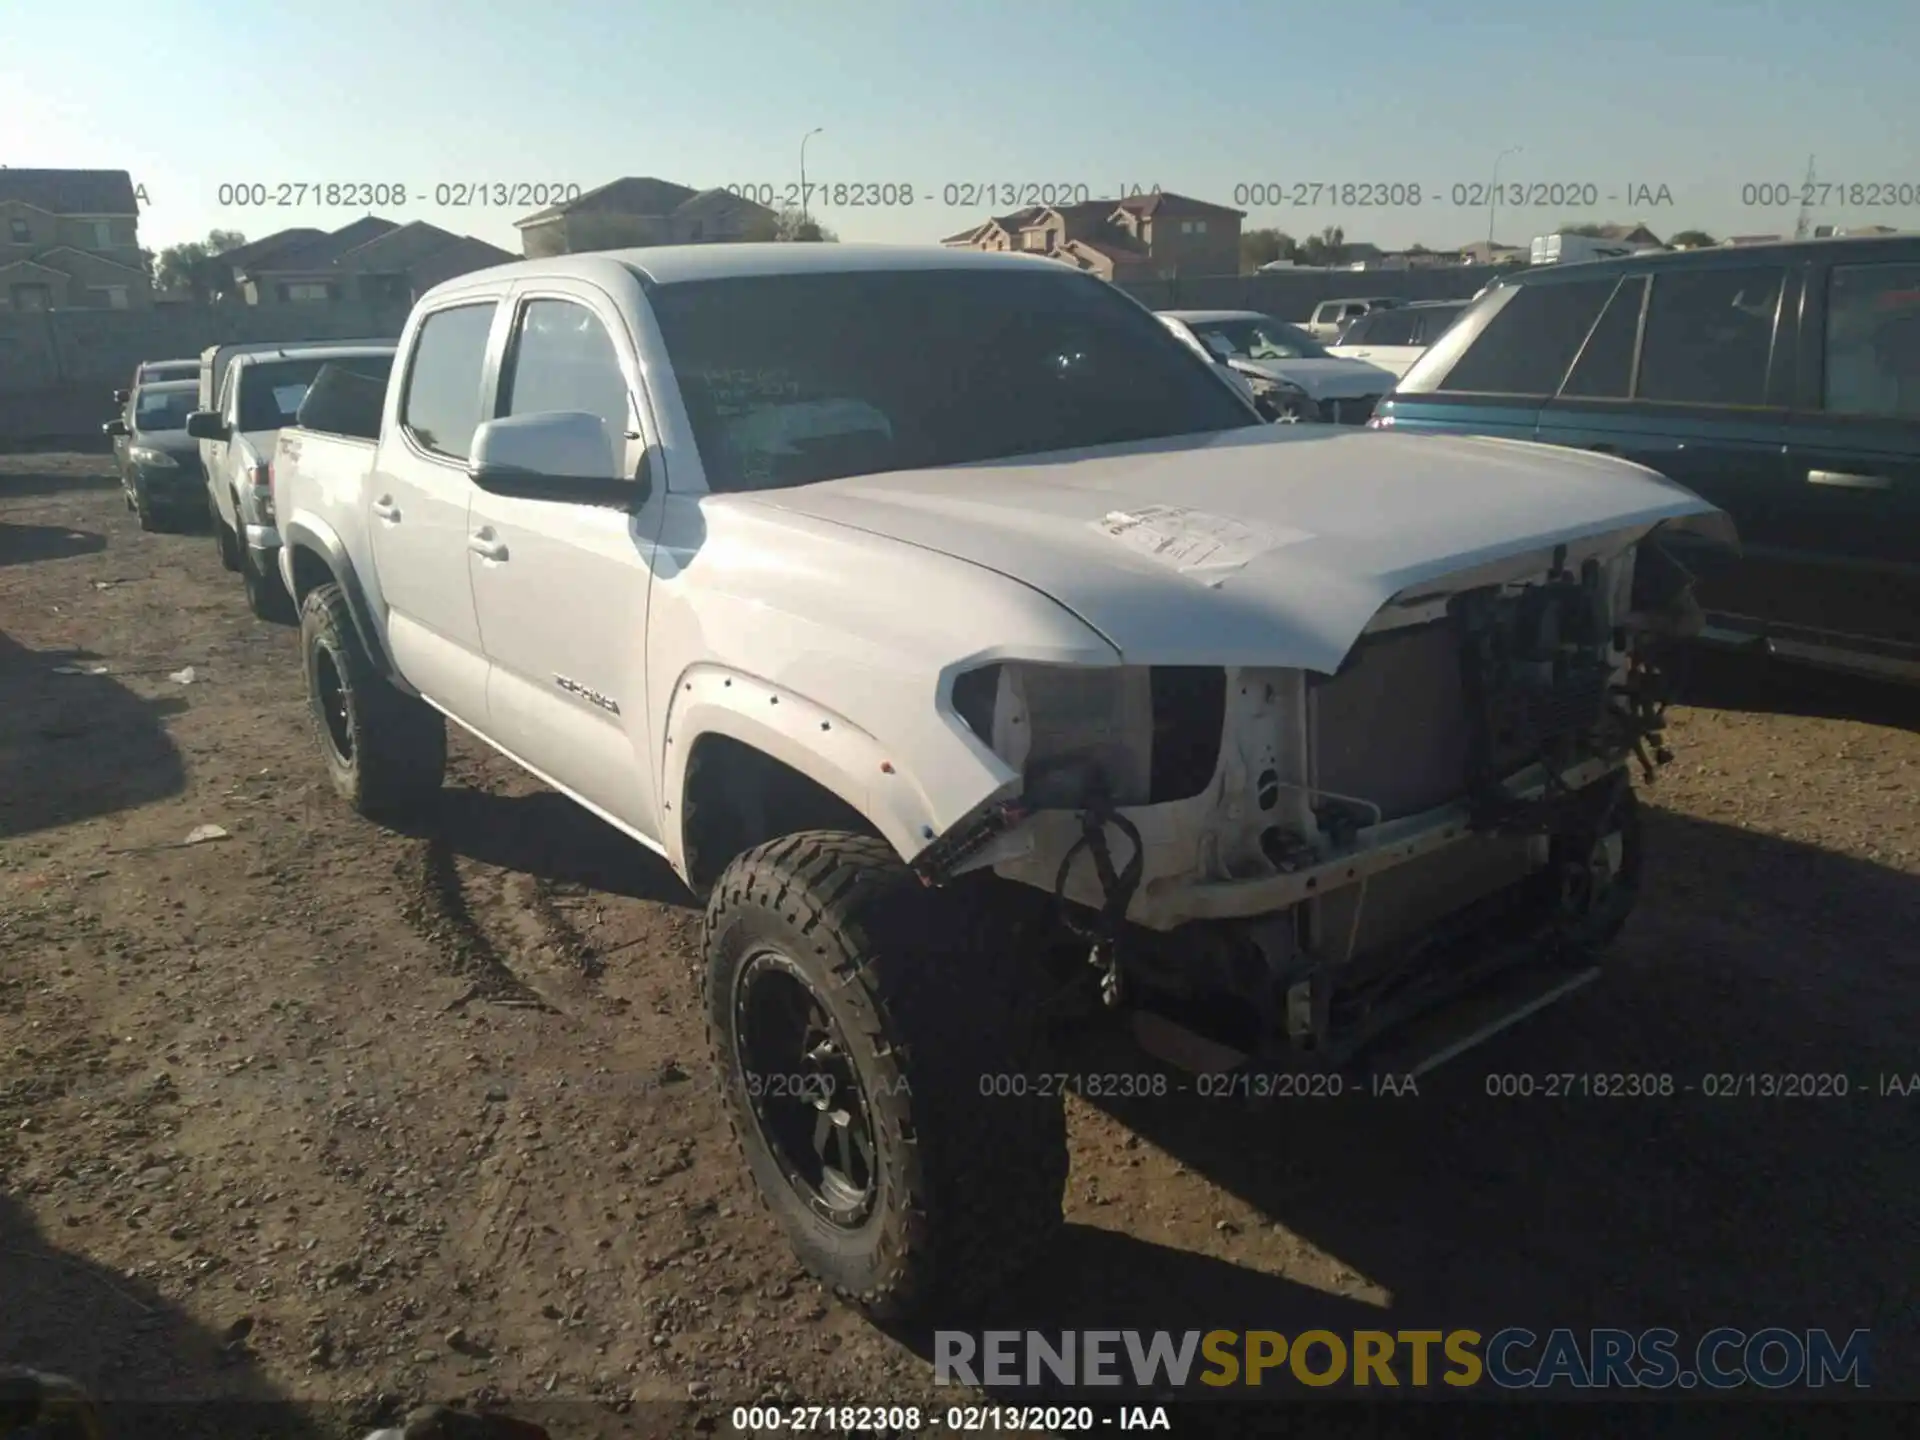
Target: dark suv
x,y
1781,382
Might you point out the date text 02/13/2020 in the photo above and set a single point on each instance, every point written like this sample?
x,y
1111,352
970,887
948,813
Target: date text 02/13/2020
x,y
1410,194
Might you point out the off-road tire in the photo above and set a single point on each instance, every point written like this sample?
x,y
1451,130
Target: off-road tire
x,y
224,539
936,1008
267,597
398,753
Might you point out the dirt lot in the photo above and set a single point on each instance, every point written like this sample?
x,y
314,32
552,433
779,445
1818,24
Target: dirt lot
x,y
328,1112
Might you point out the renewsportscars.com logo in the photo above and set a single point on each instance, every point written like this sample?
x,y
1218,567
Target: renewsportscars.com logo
x,y
1510,1359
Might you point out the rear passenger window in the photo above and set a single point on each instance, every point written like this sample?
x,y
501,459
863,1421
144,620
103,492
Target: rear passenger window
x,y
442,405
1604,370
1709,337
1389,327
1873,341
1527,346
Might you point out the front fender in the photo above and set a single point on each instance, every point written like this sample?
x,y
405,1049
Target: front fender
x,y
311,535
821,744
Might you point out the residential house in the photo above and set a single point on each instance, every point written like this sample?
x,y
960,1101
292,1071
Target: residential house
x,y
372,261
1635,234
641,210
1140,237
70,239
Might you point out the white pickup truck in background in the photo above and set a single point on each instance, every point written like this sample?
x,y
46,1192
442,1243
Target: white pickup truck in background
x,y
259,391
965,641
1392,339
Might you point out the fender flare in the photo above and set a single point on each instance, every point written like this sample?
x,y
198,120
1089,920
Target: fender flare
x,y
306,533
825,746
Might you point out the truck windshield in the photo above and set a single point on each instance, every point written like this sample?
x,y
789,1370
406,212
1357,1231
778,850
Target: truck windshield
x,y
1262,338
792,379
163,409
270,395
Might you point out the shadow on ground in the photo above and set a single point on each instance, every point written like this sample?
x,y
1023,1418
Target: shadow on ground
x,y
77,746
548,836
25,544
22,483
1716,1205
1758,684
150,1368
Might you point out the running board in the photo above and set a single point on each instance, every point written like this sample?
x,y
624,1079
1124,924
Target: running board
x,y
1428,1043
1410,1049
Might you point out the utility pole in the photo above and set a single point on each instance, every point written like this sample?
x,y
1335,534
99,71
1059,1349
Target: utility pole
x,y
803,171
1493,193
1805,223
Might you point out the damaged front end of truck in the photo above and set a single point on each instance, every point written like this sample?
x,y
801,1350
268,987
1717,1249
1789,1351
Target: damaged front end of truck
x,y
1287,867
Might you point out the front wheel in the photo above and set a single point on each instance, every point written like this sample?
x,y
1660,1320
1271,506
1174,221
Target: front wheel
x,y
386,751
879,1053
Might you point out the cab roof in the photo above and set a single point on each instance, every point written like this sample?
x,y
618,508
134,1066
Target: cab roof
x,y
679,264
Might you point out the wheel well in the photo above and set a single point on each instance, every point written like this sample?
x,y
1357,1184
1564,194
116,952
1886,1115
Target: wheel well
x,y
737,797
310,572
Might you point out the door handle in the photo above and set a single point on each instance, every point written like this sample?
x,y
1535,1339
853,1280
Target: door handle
x,y
1843,480
483,544
387,510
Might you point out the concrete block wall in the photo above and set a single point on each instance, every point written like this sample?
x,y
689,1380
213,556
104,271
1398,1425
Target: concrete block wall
x,y
59,368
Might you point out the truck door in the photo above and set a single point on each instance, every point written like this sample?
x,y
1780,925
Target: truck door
x,y
418,493
213,453
562,587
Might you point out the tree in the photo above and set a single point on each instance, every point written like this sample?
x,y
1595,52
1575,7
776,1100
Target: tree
x,y
1263,247
1329,247
788,224
1690,239
1595,232
191,266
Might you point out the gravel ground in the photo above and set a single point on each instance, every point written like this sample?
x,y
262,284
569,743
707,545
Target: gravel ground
x,y
326,1112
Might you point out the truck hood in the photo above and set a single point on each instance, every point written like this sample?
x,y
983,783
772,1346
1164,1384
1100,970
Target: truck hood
x,y
1333,379
1271,545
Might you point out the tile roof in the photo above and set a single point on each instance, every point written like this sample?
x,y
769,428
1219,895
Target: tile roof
x,y
630,195
70,192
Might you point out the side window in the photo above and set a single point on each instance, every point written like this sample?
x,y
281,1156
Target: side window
x,y
1389,327
1709,336
1604,370
1873,341
442,404
563,359
1359,332
1527,346
1434,323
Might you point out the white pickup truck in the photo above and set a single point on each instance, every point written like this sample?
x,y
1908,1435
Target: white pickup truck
x,y
938,615
258,391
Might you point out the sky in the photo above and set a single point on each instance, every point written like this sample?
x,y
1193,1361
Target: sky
x,y
1233,101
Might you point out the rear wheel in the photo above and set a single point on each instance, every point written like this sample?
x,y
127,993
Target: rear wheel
x,y
267,597
386,751
880,1053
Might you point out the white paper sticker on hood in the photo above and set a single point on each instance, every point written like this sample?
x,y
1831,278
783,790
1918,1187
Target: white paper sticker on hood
x,y
1193,542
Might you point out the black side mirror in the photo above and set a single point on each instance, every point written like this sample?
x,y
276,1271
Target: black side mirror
x,y
115,428
206,425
